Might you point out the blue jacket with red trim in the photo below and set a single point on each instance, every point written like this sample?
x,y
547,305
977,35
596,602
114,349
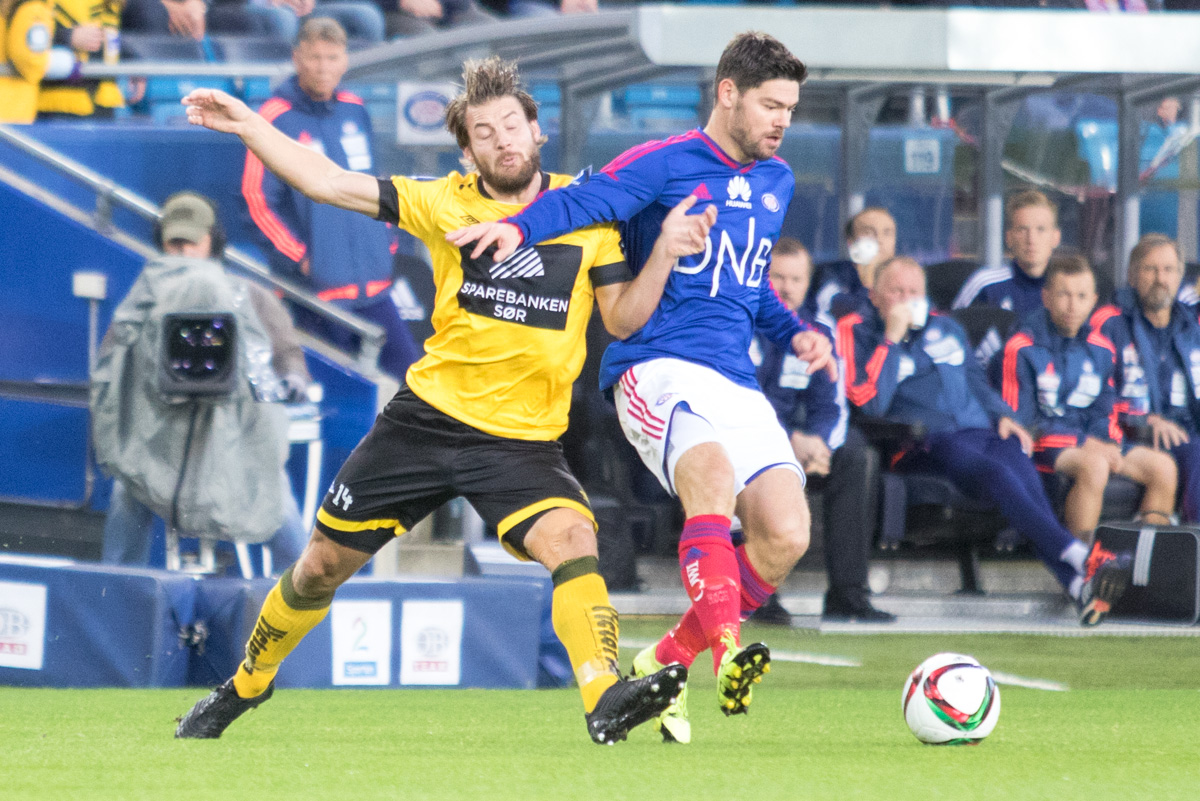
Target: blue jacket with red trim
x,y
349,255
836,291
713,301
1149,381
1060,387
813,404
930,377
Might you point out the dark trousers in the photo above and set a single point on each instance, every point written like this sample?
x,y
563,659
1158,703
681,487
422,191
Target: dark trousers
x,y
1187,458
986,467
850,503
399,348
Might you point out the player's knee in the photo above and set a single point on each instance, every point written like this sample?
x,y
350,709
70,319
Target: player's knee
x,y
789,538
1093,475
319,570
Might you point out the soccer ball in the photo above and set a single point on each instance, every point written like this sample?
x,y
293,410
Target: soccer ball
x,y
951,699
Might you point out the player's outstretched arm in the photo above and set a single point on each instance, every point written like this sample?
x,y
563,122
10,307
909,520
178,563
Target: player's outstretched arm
x,y
312,173
626,307
505,236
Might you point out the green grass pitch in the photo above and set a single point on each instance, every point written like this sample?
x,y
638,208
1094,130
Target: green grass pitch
x,y
1128,728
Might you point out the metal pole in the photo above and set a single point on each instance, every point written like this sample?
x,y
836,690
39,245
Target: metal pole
x,y
1126,214
860,109
999,110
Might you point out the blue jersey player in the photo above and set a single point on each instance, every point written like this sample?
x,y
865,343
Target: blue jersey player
x,y
684,385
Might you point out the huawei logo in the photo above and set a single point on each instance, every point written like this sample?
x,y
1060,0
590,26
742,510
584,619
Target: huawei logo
x,y
739,192
739,188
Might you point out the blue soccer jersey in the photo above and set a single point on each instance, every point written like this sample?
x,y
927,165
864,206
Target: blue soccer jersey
x,y
713,301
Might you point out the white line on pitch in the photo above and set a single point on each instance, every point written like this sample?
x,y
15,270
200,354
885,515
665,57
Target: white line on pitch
x,y
827,660
1033,684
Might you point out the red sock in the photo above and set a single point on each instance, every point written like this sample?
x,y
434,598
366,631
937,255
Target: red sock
x,y
686,640
755,591
683,642
708,565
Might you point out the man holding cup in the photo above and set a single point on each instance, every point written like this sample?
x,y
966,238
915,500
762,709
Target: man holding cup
x,y
904,364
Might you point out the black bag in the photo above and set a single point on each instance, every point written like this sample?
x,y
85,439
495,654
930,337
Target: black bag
x,y
1166,564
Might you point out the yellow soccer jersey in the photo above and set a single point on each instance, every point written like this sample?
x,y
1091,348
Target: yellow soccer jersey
x,y
508,338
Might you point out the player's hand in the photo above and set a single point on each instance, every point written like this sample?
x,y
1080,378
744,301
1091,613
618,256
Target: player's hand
x,y
1108,451
684,234
505,236
578,6
88,38
1008,427
186,17
137,89
301,8
898,321
812,453
216,110
1167,434
422,9
816,349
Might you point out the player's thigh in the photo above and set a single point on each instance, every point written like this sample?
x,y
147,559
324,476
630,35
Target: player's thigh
x,y
774,510
1148,466
1081,465
399,473
741,420
515,484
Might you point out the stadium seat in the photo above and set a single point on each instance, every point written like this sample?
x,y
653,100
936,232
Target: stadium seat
x,y
659,105
944,279
162,47
255,49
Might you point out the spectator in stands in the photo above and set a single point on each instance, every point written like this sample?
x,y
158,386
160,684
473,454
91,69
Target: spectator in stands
x,y
835,457
189,227
345,258
1158,366
24,56
840,287
1163,137
1058,377
906,365
1031,237
417,17
85,31
526,9
186,18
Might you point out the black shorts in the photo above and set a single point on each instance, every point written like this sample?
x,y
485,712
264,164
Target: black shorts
x,y
415,458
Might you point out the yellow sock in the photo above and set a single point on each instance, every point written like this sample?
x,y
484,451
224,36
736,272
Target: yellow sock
x,y
284,620
587,626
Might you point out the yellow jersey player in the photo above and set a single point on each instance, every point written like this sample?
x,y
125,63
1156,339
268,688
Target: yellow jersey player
x,y
480,412
26,29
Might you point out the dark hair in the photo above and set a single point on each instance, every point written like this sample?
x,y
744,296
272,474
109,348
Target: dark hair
x,y
753,58
1068,264
850,223
489,79
789,246
217,232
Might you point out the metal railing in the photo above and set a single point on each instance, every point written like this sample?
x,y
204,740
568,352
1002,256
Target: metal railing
x,y
110,195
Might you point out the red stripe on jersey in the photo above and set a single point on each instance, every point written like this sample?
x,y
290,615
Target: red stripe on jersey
x,y
349,97
1010,384
635,153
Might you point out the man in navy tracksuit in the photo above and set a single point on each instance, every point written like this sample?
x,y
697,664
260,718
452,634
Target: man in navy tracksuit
x,y
1157,377
905,368
1031,237
839,287
342,256
835,456
1058,377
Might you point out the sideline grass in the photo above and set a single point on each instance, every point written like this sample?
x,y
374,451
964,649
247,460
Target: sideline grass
x,y
1127,730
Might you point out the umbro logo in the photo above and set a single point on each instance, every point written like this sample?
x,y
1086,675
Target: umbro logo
x,y
525,263
739,192
469,220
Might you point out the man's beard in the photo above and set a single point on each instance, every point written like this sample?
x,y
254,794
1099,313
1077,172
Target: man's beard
x,y
739,132
1157,298
512,183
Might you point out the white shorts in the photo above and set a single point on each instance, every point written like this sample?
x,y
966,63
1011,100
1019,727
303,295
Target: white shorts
x,y
742,419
